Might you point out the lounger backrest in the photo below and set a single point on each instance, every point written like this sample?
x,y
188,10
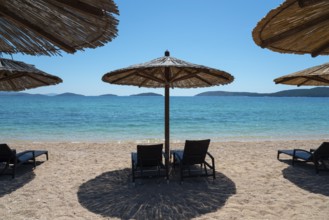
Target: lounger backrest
x,y
195,151
149,155
6,153
322,151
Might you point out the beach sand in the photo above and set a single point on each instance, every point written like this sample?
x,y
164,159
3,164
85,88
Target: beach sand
x,y
93,181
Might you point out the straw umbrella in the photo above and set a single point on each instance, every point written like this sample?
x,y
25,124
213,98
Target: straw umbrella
x,y
17,76
45,27
296,26
314,76
168,72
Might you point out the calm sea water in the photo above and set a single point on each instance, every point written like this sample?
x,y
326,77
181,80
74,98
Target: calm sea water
x,y
142,118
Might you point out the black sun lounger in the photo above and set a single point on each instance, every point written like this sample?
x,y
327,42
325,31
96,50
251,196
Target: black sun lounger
x,y
148,162
319,156
10,160
192,160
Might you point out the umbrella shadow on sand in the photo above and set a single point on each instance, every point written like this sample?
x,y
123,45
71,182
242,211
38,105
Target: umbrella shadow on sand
x,y
24,175
112,194
303,175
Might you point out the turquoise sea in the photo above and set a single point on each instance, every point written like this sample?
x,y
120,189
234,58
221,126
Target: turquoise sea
x,y
138,118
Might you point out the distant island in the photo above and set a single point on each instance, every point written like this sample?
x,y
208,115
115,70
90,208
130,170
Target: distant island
x,y
314,92
69,94
147,94
108,95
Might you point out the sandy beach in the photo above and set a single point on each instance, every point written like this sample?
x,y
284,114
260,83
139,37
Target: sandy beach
x,y
93,181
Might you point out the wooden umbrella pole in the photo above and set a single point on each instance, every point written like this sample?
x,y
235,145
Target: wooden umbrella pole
x,y
167,124
167,130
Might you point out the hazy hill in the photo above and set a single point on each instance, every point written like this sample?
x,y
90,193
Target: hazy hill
x,y
147,94
105,95
314,92
223,93
69,94
18,94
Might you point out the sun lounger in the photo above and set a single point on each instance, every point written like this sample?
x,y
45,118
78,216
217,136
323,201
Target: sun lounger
x,y
148,162
192,160
319,156
10,160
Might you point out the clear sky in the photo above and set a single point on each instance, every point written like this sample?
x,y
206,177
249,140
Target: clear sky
x,y
214,33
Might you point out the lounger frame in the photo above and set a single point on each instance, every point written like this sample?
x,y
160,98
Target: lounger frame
x,y
194,160
147,162
319,157
11,160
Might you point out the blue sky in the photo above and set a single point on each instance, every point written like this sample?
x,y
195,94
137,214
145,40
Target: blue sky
x,y
214,33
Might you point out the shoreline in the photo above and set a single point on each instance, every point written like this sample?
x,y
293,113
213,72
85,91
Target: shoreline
x,y
172,141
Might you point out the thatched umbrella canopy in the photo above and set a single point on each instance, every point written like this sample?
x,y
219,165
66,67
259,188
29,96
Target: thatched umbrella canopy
x,y
314,76
296,26
17,76
42,27
168,72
